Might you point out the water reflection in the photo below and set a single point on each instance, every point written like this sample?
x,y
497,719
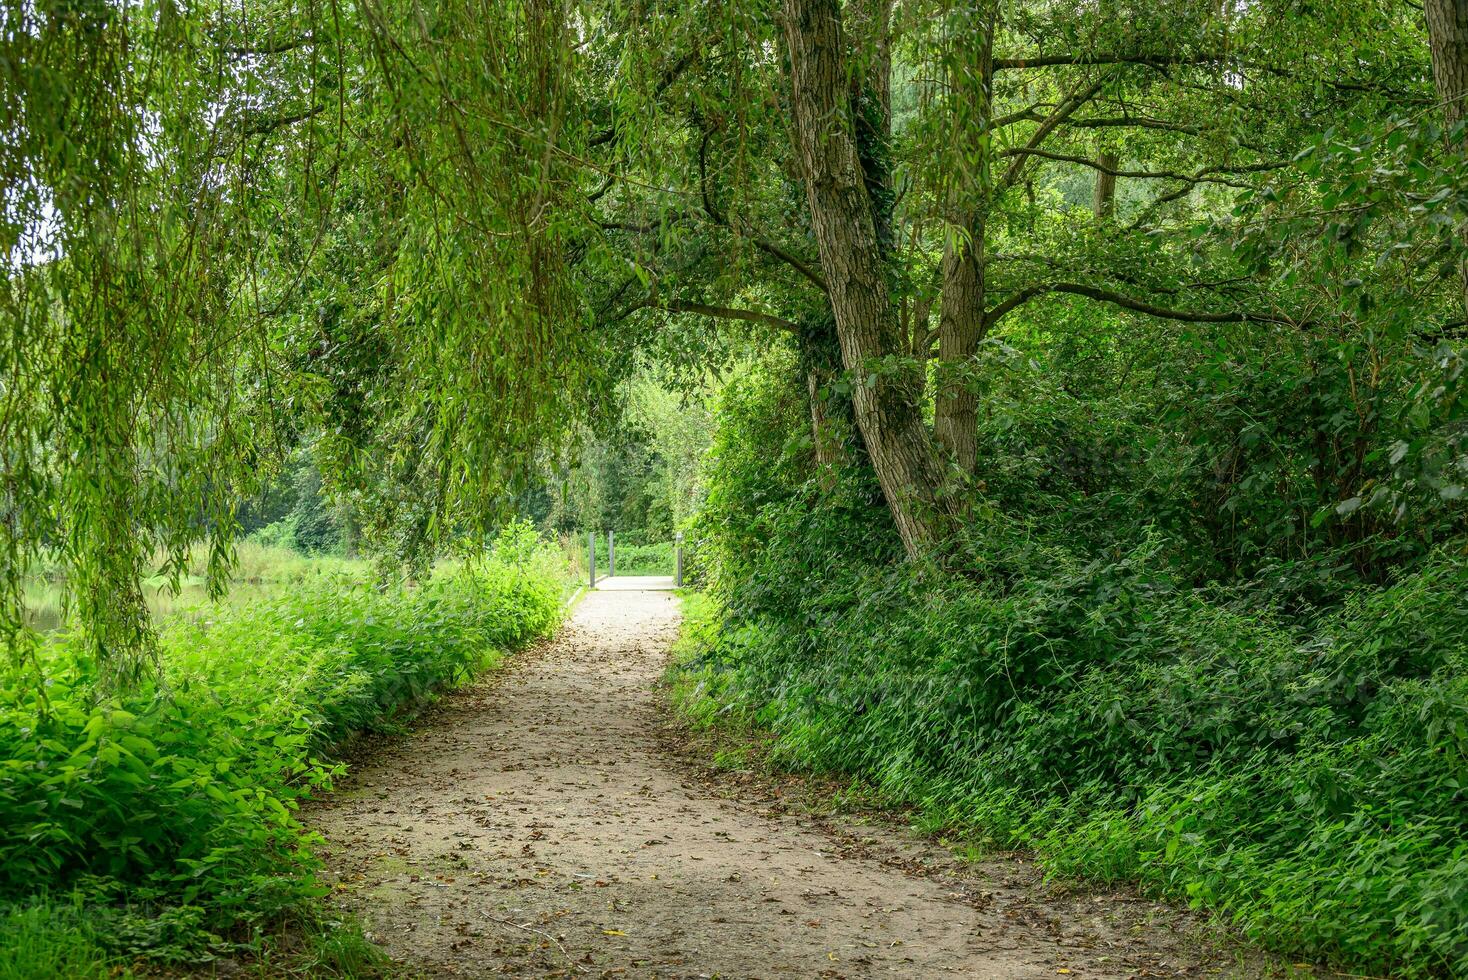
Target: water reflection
x,y
45,610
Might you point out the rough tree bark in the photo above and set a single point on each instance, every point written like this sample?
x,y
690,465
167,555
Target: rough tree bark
x,y
961,313
960,328
1103,197
830,417
1447,35
886,410
1103,201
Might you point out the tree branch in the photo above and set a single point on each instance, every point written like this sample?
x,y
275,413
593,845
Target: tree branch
x,y
1062,112
1030,113
1188,184
724,313
777,252
259,126
740,228
1056,60
1148,122
1125,302
1135,122
670,75
1206,176
277,46
256,124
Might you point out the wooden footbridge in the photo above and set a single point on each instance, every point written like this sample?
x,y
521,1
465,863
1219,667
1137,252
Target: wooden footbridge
x,y
612,582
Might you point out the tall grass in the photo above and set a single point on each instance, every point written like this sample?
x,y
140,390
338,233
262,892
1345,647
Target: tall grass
x,y
48,939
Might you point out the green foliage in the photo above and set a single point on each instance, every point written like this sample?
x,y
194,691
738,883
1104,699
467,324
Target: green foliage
x,y
1309,786
225,235
756,468
182,793
296,514
1220,421
1106,672
46,939
640,477
645,559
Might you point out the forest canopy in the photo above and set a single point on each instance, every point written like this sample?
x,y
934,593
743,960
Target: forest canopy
x,y
435,243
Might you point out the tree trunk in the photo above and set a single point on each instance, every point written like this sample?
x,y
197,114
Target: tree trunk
x,y
823,430
1103,202
960,328
830,417
961,314
1103,198
869,35
1447,35
887,413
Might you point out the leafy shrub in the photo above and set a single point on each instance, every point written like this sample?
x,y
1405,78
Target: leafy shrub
x,y
1107,671
1310,785
183,793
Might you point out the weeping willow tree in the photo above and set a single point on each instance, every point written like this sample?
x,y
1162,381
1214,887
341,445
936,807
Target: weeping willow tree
x,y
432,239
223,228
129,352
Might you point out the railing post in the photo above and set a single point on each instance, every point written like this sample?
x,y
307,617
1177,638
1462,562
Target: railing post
x,y
678,560
611,555
591,557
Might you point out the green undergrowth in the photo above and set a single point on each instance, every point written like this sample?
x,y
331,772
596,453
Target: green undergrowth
x,y
1306,784
1199,637
169,812
645,559
43,939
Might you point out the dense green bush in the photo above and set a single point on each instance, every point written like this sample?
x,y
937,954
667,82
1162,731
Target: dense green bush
x,y
295,512
1085,675
182,793
1310,786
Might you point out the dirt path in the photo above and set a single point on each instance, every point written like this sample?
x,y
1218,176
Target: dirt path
x,y
538,826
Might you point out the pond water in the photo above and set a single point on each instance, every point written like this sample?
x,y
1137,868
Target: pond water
x,y
46,612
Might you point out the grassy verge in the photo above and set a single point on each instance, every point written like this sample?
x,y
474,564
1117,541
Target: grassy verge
x,y
46,939
169,812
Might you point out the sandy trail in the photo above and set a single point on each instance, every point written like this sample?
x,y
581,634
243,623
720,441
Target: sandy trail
x,y
538,825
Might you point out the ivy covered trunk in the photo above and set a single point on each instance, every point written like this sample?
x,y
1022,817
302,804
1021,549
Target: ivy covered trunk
x,y
960,328
961,312
1103,199
885,394
1447,33
830,412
